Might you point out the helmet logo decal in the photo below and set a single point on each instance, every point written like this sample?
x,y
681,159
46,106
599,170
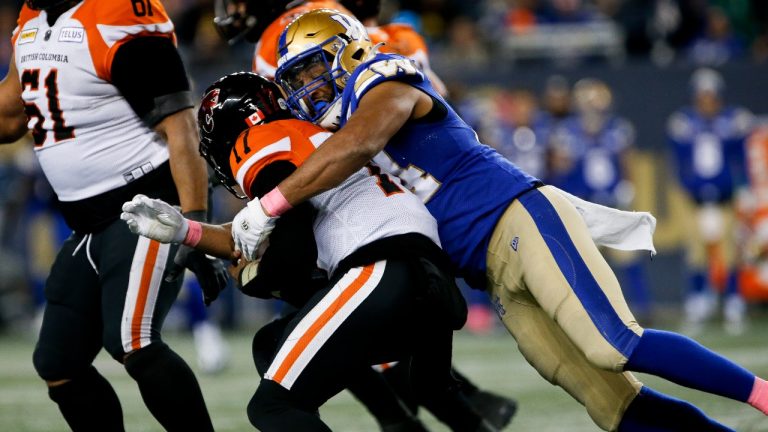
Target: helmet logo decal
x,y
210,100
354,29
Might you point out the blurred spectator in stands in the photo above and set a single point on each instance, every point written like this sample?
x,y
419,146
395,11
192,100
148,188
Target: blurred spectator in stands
x,y
464,44
659,28
708,141
515,16
519,132
556,99
591,154
568,11
718,43
759,12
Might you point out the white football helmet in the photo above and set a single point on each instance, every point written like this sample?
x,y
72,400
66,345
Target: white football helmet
x,y
317,53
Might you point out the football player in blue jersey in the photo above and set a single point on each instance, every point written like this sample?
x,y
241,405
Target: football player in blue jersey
x,y
525,243
708,141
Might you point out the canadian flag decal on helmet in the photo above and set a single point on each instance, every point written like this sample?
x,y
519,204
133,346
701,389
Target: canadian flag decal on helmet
x,y
255,118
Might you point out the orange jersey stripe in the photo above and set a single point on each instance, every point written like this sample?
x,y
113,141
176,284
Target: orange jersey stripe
x,y
141,299
287,140
25,15
321,321
110,14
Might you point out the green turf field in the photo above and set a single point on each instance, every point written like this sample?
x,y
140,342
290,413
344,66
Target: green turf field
x,y
492,361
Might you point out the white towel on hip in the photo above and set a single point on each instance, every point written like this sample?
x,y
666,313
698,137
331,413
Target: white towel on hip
x,y
614,228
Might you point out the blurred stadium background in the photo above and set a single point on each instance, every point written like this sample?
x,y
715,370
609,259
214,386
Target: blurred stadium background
x,y
515,70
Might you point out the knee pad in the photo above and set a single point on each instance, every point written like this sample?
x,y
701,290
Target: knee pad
x,y
605,357
267,404
52,366
136,363
114,347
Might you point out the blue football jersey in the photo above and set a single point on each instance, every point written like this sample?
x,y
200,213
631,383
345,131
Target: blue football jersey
x,y
709,153
595,170
466,185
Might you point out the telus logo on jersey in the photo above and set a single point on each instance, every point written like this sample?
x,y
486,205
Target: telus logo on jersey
x,y
72,34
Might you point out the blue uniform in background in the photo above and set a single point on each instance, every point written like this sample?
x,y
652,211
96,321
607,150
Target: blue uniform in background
x,y
709,153
709,158
595,170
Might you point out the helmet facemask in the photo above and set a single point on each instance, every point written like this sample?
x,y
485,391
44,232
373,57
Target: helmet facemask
x,y
314,73
316,66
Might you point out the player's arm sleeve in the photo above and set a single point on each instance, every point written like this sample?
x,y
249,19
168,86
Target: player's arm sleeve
x,y
288,267
151,76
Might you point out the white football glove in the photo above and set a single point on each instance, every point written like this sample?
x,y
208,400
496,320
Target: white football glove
x,y
155,219
250,229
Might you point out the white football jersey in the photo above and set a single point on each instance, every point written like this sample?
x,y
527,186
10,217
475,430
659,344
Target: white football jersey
x,y
367,206
87,137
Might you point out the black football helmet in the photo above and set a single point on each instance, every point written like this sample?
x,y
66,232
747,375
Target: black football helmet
x,y
230,106
45,4
238,19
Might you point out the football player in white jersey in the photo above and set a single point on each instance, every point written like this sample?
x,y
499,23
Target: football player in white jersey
x,y
105,95
390,296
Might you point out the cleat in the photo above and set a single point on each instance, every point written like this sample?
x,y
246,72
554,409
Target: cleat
x,y
497,410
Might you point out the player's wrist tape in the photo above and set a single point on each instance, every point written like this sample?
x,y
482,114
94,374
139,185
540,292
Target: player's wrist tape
x,y
274,203
194,233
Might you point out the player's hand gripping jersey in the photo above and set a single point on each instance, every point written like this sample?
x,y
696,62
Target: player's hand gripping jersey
x,y
442,162
75,113
369,205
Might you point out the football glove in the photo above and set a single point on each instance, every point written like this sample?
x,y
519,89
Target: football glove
x,y
250,229
154,219
210,272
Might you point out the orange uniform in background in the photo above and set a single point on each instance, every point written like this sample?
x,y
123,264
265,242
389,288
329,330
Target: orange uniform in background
x,y
400,39
265,57
753,275
396,38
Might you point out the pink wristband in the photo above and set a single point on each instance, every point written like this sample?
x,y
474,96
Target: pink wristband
x,y
275,203
194,233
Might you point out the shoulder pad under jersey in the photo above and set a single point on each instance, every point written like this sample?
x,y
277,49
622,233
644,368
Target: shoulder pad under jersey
x,y
385,67
25,15
286,140
111,23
